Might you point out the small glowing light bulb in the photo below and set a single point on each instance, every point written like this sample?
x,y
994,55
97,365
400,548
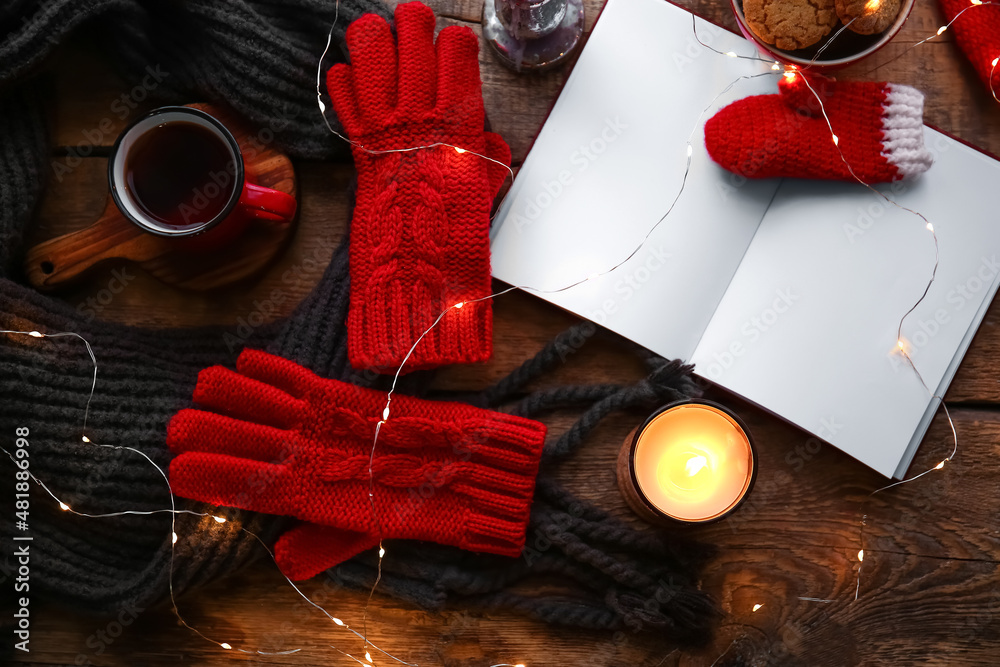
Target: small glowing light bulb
x,y
459,150
520,664
385,413
63,506
790,76
941,30
85,439
731,54
901,345
173,538
861,556
459,304
690,150
322,107
593,276
939,466
775,66
368,656
872,5
995,61
225,646
34,334
930,227
381,552
836,140
977,2
338,621
219,519
757,606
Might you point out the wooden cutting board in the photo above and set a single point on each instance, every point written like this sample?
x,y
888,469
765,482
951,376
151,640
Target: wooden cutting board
x,y
113,237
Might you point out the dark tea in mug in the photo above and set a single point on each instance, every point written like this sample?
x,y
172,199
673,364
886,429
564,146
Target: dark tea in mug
x,y
178,172
181,174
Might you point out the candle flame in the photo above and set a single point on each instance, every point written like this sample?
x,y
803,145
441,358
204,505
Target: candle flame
x,y
695,465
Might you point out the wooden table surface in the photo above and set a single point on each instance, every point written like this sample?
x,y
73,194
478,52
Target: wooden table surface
x,y
929,589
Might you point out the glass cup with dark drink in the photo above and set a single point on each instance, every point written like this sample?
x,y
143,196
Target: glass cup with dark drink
x,y
178,172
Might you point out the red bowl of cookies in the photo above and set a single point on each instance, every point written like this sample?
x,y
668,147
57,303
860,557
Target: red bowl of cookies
x,y
822,34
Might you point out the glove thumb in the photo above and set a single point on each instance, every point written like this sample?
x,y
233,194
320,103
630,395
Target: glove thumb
x,y
309,548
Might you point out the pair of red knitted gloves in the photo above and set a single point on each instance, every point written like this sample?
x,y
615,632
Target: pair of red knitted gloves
x,y
275,438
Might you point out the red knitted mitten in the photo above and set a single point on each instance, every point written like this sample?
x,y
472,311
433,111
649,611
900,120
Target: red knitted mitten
x,y
420,235
879,129
281,440
977,32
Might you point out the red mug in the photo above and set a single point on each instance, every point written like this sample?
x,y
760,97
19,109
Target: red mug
x,y
178,172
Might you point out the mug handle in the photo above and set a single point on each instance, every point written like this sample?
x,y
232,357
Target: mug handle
x,y
268,205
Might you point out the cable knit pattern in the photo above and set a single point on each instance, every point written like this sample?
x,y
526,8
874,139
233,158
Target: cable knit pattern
x,y
252,55
310,439
420,236
977,33
879,127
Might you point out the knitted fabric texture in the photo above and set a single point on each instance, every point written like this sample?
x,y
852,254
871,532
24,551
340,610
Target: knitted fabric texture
x,y
145,376
879,130
99,566
420,236
977,32
311,440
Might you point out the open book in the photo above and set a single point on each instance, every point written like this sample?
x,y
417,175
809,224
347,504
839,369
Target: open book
x,y
786,292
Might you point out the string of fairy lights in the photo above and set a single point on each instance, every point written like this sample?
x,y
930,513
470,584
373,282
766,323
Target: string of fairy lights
x,y
368,661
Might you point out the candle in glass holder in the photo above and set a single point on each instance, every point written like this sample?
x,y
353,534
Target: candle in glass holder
x,y
691,462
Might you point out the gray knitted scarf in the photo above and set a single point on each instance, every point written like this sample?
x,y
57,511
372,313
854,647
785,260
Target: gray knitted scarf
x,y
259,57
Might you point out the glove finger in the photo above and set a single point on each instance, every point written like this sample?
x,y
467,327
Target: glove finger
x,y
373,65
231,482
417,66
197,431
309,548
288,376
460,94
235,395
340,87
497,149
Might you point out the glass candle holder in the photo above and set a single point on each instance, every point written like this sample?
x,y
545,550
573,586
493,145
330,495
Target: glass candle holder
x,y
690,462
533,34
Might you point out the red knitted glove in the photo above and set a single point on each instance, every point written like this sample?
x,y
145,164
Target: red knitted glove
x,y
977,32
281,440
420,235
879,128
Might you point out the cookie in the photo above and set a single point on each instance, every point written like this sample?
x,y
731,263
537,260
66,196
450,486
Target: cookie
x,y
790,24
868,17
